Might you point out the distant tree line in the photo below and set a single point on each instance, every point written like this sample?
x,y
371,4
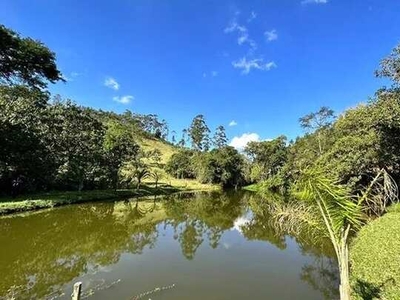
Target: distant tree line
x,y
53,143
351,147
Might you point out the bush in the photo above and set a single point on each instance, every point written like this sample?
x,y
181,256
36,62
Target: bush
x,y
180,165
375,259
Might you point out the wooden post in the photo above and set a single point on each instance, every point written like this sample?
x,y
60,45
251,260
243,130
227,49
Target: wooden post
x,y
76,295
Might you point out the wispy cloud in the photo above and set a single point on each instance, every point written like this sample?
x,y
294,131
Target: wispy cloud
x,y
243,34
232,123
124,99
71,76
271,35
240,142
314,1
253,16
111,83
211,74
257,63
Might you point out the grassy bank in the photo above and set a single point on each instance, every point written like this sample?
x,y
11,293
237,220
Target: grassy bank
x,y
32,202
375,258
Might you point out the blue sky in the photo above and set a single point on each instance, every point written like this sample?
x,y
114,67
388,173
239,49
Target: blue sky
x,y
261,63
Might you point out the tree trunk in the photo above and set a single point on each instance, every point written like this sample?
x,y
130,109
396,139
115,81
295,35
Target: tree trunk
x,y
344,274
343,259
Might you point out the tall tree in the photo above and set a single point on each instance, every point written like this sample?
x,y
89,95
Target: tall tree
x,y
120,148
26,61
318,121
220,139
173,137
199,132
78,137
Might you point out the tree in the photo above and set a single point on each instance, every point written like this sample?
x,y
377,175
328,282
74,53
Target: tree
x,y
120,147
198,133
342,212
182,141
24,141
268,157
390,66
26,61
173,138
222,166
318,121
156,174
220,139
180,164
78,138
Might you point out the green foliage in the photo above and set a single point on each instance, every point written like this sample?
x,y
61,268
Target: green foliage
x,y
180,164
375,260
198,133
220,139
26,61
120,147
390,66
221,166
268,157
342,212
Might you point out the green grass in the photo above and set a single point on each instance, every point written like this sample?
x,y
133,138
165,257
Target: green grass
x,y
53,199
253,187
167,185
375,258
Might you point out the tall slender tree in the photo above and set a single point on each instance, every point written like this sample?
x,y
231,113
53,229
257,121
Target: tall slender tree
x,y
220,139
198,133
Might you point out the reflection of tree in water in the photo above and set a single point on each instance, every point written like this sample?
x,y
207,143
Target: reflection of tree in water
x,y
42,252
323,276
322,273
200,216
260,227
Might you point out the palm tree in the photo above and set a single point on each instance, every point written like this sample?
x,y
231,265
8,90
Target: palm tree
x,y
341,212
140,174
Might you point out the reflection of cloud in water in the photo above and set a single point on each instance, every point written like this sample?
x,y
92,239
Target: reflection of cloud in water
x,y
239,223
226,246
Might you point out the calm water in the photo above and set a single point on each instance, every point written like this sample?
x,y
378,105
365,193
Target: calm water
x,y
209,246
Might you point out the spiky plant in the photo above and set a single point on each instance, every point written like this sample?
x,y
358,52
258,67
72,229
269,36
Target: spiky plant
x,y
343,212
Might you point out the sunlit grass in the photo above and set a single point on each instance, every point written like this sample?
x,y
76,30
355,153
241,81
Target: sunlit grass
x,y
375,258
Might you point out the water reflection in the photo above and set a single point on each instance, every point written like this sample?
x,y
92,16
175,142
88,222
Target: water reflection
x,y
43,252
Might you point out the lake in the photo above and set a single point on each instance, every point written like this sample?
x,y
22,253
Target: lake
x,y
186,246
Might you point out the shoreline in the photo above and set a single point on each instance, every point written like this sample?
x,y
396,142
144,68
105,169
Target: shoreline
x,y
40,201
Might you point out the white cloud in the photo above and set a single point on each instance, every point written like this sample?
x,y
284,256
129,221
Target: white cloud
x,y
314,1
240,142
243,34
210,74
257,63
271,35
111,83
124,99
71,76
232,123
253,16
239,223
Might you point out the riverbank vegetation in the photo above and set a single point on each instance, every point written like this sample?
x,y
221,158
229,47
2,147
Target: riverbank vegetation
x,y
346,166
51,144
374,256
